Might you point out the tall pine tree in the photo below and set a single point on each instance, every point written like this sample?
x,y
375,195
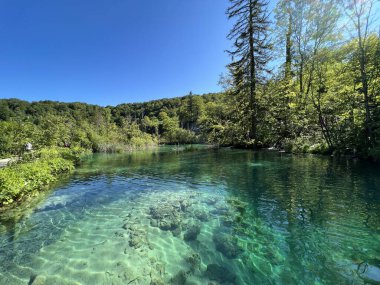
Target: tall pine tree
x,y
251,52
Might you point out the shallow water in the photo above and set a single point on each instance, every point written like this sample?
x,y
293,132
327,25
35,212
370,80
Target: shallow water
x,y
206,217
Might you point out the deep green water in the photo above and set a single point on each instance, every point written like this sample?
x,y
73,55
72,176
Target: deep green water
x,y
206,217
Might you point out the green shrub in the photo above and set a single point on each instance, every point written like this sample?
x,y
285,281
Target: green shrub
x,y
319,148
25,178
305,144
142,142
35,171
73,154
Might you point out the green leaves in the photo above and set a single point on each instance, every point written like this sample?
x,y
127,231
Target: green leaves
x,y
36,172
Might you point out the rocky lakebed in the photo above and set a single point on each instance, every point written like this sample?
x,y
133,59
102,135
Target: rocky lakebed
x,y
162,238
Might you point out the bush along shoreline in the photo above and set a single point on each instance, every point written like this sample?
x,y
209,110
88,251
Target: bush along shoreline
x,y
35,171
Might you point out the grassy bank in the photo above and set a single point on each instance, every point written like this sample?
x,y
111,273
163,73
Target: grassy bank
x,y
35,171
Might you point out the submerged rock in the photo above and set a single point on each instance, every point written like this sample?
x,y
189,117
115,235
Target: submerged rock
x,y
227,245
154,223
135,241
219,273
201,215
160,211
165,216
177,231
169,223
37,280
194,260
137,235
184,205
192,232
179,278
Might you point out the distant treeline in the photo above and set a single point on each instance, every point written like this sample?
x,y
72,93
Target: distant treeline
x,y
108,129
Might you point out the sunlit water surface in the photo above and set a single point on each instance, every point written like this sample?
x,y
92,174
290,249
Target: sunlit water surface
x,y
206,217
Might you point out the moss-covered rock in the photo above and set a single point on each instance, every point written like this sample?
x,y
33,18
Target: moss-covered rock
x,y
192,232
227,245
166,216
201,215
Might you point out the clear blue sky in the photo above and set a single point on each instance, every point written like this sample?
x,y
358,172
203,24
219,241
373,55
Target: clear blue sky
x,y
110,52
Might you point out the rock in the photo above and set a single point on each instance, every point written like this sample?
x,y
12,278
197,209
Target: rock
x,y
219,273
211,201
137,235
37,280
194,260
192,232
167,217
161,211
201,215
154,223
179,278
227,245
184,205
177,231
135,241
169,223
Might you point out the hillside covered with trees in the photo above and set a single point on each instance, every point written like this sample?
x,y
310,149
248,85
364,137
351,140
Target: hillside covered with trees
x,y
323,95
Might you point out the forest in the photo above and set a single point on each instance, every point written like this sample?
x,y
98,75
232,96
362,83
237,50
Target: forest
x,y
322,97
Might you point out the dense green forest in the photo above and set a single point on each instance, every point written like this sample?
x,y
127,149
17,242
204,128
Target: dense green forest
x,y
323,95
108,129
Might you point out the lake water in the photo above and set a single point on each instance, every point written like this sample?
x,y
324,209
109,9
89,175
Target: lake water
x,y
205,217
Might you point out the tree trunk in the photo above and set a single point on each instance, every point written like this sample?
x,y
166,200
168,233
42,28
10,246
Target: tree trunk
x,y
252,79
